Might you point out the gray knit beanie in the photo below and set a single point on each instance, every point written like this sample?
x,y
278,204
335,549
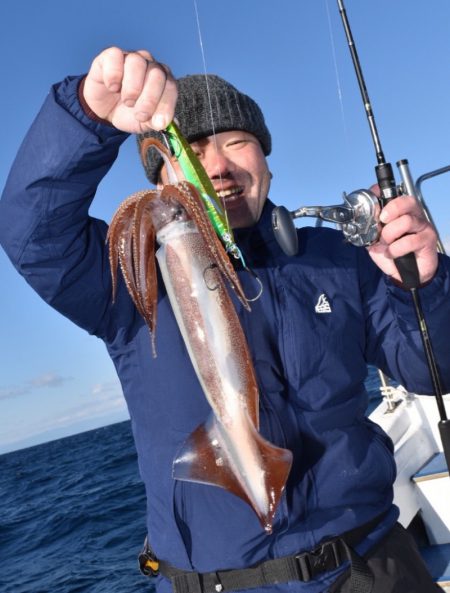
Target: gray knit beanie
x,y
230,110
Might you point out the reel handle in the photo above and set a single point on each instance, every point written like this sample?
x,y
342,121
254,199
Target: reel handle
x,y
407,264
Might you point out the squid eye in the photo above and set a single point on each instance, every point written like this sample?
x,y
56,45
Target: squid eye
x,y
179,214
210,277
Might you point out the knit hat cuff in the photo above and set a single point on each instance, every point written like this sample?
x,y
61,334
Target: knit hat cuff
x,y
208,105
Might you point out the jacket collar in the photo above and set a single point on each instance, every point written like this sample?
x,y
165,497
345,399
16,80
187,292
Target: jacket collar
x,y
258,242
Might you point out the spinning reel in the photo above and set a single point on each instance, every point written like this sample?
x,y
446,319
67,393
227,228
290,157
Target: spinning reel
x,y
357,217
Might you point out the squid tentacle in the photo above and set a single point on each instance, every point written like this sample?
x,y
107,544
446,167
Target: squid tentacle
x,y
148,270
131,238
143,244
115,232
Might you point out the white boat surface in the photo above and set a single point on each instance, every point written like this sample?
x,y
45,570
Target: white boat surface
x,y
422,486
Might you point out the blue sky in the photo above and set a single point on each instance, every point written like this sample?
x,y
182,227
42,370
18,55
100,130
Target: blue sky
x,y
55,379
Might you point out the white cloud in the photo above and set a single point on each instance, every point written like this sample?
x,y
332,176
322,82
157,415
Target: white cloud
x,y
108,389
446,243
103,399
95,410
102,404
48,379
13,391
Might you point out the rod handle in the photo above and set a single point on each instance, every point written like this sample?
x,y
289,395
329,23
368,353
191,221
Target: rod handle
x,y
408,270
407,264
444,431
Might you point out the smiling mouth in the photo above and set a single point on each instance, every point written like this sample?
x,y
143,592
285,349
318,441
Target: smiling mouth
x,y
231,194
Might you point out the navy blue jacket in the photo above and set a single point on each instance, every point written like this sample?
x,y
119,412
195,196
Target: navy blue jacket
x,y
310,365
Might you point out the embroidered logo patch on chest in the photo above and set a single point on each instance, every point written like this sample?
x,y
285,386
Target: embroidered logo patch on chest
x,y
322,306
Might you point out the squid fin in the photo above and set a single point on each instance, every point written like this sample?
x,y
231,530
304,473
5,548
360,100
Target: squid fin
x,y
203,459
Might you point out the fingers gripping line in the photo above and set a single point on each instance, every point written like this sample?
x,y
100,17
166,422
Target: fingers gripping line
x,y
153,89
142,84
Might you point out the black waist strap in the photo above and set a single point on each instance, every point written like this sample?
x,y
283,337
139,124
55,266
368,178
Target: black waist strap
x,y
298,567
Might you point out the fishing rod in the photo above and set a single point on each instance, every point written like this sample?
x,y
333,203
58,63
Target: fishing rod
x,y
407,264
358,218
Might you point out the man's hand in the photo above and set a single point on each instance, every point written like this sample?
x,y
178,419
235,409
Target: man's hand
x,y
405,230
130,90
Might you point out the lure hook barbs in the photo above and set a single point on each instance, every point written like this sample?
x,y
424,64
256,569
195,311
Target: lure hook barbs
x,y
255,276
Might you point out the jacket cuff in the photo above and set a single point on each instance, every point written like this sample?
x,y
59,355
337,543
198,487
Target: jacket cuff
x,y
67,95
88,111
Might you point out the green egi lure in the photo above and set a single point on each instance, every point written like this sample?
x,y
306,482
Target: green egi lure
x,y
195,173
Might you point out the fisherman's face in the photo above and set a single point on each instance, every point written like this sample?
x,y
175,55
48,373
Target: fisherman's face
x,y
237,167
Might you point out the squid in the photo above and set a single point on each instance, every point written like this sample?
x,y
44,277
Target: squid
x,y
227,450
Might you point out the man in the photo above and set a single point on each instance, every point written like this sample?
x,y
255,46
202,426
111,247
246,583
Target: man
x,y
310,366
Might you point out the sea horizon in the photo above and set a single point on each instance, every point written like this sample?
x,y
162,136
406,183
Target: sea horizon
x,y
55,434
117,417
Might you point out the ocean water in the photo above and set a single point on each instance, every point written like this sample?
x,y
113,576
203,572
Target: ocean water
x,y
72,514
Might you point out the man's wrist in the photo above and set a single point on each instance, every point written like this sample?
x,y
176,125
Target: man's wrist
x,y
87,110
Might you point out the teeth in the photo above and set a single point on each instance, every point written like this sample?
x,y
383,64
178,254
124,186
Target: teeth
x,y
226,193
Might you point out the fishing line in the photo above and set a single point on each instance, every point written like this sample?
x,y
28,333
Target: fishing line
x,y
205,71
336,72
208,92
